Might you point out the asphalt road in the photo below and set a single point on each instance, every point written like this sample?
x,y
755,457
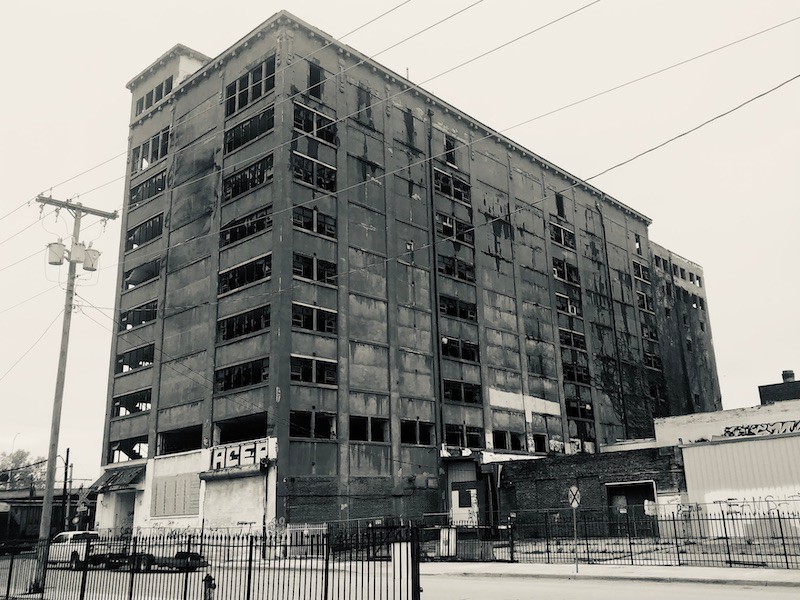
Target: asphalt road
x,y
444,587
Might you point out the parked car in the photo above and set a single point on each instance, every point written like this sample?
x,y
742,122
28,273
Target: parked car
x,y
78,548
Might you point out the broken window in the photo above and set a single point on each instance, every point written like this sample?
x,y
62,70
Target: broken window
x,y
461,349
572,338
314,124
565,271
257,319
500,440
154,96
136,358
459,391
451,186
657,260
652,360
139,315
699,281
508,440
144,232
454,435
683,273
453,307
701,302
450,150
313,318
649,333
313,172
455,267
450,227
237,277
641,271
539,442
364,106
244,227
243,429
141,274
418,433
257,82
315,425
246,131
132,403
369,429
576,373
560,206
638,242
565,304
147,189
311,219
242,375
578,409
128,449
248,179
154,149
313,268
562,236
644,301
180,440
475,437
313,370
315,80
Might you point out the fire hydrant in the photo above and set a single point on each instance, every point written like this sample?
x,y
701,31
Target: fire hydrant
x,y
208,587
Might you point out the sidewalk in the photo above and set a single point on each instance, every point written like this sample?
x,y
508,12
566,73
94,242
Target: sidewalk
x,y
715,575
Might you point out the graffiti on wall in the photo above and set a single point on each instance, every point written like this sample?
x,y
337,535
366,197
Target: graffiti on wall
x,y
763,429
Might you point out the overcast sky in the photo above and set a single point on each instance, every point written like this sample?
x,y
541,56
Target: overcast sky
x,y
725,196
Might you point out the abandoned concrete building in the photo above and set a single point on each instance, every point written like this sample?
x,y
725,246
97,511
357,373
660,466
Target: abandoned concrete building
x,y
340,297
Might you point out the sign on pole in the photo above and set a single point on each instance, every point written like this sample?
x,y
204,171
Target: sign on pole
x,y
574,499
574,496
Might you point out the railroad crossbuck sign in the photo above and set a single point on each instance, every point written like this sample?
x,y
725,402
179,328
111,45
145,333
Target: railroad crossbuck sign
x,y
574,496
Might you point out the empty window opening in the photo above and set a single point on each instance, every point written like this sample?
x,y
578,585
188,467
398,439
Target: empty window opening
x,y
128,449
181,440
566,271
141,274
450,150
572,339
247,131
243,429
461,349
562,236
454,435
246,226
475,437
148,189
137,358
457,230
451,186
453,307
638,241
248,178
644,301
454,267
641,271
140,315
314,124
364,106
418,433
702,326
560,209
313,268
313,172
313,370
316,77
571,306
237,277
649,332
252,321
311,219
369,429
135,402
539,442
699,281
243,375
459,391
150,151
313,318
144,232
683,273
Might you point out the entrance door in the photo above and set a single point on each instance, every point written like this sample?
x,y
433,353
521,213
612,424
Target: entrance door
x,y
123,518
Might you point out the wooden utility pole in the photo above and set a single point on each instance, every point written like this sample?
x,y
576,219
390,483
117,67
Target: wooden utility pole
x,y
77,210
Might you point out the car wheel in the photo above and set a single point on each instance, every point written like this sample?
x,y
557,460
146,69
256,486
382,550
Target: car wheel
x,y
143,564
75,562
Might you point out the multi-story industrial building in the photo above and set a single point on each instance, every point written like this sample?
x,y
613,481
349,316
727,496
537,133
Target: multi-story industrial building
x,y
340,296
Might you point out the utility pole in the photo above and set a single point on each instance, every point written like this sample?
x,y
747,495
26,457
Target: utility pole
x,y
77,253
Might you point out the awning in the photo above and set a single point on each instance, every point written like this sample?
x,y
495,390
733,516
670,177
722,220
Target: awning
x,y
117,479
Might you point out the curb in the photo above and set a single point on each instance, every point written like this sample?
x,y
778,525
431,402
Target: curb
x,y
622,577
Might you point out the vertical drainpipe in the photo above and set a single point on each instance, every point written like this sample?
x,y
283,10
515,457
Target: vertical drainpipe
x,y
437,359
613,324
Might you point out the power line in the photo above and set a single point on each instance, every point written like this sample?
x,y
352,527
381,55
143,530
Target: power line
x,y
5,310
24,354
20,260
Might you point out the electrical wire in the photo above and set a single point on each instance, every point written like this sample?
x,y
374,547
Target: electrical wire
x,y
20,260
24,354
5,310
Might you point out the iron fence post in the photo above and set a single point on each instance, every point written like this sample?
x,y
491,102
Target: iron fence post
x,y
10,572
677,546
326,539
511,539
132,561
186,576
250,568
547,536
416,589
783,540
84,573
586,536
628,531
727,541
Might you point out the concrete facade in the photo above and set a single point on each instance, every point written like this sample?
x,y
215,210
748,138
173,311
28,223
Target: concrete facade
x,y
322,258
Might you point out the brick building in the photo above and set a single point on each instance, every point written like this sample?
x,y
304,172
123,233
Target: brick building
x,y
339,293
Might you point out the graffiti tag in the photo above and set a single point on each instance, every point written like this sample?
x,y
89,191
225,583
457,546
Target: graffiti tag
x,y
763,429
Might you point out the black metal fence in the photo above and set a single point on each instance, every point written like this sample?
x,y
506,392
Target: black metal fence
x,y
339,562
632,537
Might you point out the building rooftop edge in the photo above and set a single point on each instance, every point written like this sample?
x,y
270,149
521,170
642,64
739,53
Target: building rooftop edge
x,y
330,40
673,253
178,49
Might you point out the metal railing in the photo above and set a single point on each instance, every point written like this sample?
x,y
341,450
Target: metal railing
x,y
631,537
331,563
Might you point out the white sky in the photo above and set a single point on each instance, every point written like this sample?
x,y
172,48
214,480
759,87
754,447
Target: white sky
x,y
725,196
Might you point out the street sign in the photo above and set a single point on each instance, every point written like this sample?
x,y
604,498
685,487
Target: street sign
x,y
574,497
